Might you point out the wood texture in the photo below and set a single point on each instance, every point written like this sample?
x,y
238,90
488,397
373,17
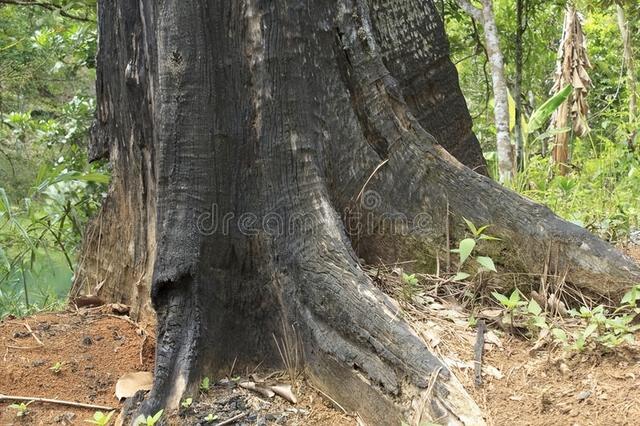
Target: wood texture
x,y
241,135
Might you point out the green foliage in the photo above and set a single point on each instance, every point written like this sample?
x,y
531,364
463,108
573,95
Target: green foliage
x,y
205,385
542,114
21,408
596,328
186,403
47,188
210,418
149,420
466,248
100,418
601,194
511,302
410,286
603,186
57,367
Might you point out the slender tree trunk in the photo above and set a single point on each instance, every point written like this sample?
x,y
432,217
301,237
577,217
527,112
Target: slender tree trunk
x,y
625,33
504,149
259,149
517,88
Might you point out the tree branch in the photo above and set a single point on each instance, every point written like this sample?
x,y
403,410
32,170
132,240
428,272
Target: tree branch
x,y
47,6
473,11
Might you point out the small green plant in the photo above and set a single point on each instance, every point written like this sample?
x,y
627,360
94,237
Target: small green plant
x,y
186,403
410,286
510,304
149,420
601,328
529,313
57,367
100,418
211,418
204,385
466,248
21,409
472,321
536,318
630,300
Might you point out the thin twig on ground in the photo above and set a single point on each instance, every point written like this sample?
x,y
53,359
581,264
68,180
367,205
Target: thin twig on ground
x,y
329,398
54,401
232,419
26,324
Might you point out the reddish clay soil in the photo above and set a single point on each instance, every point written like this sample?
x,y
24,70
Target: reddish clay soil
x,y
521,386
95,348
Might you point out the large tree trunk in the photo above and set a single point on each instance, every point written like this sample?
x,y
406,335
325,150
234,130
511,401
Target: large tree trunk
x,y
244,136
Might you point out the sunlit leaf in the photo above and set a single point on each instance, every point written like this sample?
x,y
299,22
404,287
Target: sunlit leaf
x,y
460,276
466,247
542,114
486,262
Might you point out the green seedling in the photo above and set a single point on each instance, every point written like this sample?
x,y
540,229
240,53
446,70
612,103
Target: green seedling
x,y
21,409
149,420
186,403
57,367
535,317
509,303
205,385
472,321
466,248
100,418
211,418
410,286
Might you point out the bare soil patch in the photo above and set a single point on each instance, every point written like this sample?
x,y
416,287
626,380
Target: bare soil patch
x,y
521,386
95,348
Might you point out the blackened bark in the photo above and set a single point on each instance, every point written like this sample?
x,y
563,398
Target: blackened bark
x,y
242,135
118,252
415,50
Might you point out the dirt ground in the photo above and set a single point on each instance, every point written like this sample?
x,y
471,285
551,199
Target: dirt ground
x,y
521,386
95,347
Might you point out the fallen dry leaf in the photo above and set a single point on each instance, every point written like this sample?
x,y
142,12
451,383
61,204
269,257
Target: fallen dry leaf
x,y
285,392
253,387
492,338
490,313
130,383
492,371
119,308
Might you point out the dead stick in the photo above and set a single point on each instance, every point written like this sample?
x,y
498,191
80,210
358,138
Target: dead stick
x,y
478,348
232,419
54,401
144,339
22,347
33,334
329,398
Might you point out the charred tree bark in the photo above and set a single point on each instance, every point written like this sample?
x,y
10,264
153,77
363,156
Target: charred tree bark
x,y
243,136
